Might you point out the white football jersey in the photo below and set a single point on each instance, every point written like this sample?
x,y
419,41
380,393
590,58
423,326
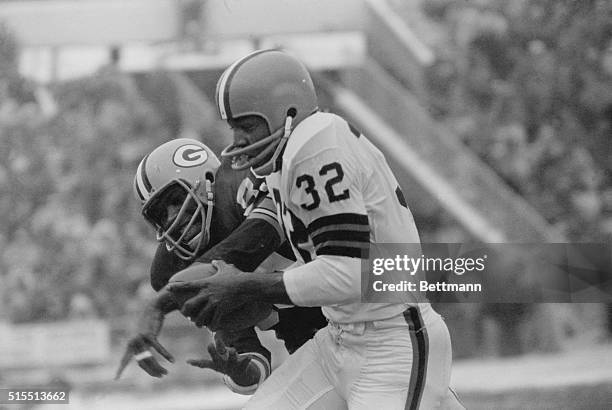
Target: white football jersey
x,y
335,195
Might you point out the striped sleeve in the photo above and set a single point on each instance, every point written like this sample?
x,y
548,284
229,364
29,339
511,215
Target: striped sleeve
x,y
345,234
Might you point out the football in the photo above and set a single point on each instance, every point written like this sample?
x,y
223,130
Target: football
x,y
238,316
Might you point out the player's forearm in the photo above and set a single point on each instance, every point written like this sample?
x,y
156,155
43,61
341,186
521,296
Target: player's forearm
x,y
328,280
164,302
165,264
247,246
152,318
262,287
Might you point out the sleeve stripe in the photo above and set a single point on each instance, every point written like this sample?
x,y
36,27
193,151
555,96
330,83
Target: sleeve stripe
x,y
263,211
337,219
267,203
257,203
352,252
342,227
341,235
345,244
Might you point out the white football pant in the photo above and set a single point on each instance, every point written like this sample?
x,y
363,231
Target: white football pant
x,y
398,363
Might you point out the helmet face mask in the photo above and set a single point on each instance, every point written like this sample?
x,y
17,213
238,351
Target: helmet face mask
x,y
175,186
269,85
178,216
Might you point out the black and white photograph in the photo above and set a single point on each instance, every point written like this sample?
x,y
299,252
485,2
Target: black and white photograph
x,y
305,204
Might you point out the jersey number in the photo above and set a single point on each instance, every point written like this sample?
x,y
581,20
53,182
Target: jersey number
x,y
308,182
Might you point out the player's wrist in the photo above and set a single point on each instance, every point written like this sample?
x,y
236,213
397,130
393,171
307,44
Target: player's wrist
x,y
164,301
262,287
151,322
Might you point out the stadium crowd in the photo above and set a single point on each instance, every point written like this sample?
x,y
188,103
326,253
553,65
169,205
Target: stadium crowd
x,y
528,86
71,245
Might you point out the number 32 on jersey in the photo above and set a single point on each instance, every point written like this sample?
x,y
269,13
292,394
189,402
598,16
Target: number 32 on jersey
x,y
314,191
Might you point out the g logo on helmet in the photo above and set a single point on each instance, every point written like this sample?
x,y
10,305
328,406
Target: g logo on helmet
x,y
189,155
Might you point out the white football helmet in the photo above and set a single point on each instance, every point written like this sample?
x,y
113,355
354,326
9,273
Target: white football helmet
x,y
175,186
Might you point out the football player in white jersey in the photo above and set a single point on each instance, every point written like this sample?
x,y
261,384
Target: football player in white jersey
x,y
335,196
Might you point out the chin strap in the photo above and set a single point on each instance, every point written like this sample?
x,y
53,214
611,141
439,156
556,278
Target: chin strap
x,y
210,203
271,165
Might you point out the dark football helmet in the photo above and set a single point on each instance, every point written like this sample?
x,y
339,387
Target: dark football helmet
x,y
270,84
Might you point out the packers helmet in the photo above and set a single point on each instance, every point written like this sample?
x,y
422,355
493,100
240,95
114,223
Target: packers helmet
x,y
270,84
178,175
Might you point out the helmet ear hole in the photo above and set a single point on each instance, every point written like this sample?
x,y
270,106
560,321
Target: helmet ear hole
x,y
292,112
210,177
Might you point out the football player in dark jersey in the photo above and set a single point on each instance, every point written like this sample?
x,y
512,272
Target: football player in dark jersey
x,y
201,210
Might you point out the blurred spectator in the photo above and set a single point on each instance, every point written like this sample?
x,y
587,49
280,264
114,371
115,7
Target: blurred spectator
x,y
81,307
192,33
469,19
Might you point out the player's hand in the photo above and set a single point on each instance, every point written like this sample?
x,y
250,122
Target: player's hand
x,y
225,360
225,268
139,348
216,295
212,303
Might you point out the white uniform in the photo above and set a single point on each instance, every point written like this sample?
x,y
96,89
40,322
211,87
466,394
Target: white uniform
x,y
335,195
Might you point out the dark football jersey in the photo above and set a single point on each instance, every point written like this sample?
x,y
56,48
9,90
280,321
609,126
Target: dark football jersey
x,y
244,232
